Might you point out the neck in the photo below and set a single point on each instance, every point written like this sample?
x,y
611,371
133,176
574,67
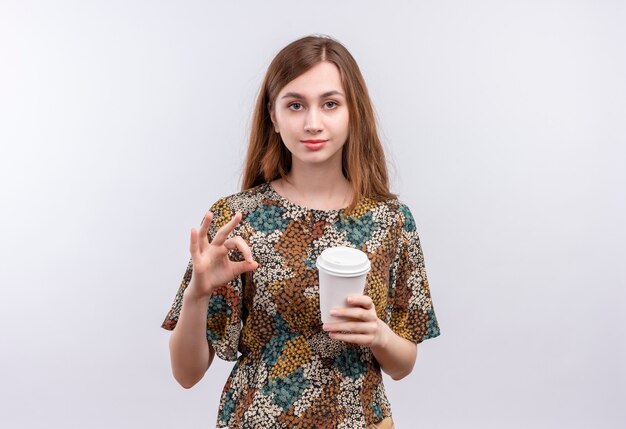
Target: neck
x,y
320,187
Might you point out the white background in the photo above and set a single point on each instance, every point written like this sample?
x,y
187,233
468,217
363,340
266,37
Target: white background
x,y
121,122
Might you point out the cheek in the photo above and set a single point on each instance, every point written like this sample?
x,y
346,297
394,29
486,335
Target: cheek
x,y
289,130
343,120
344,126
289,124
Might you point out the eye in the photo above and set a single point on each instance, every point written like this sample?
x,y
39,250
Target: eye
x,y
295,106
330,104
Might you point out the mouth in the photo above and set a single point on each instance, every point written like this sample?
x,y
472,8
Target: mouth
x,y
313,144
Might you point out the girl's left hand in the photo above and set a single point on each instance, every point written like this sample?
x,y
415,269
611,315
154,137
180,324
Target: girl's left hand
x,y
362,325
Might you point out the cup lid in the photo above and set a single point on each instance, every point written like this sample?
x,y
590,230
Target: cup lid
x,y
343,261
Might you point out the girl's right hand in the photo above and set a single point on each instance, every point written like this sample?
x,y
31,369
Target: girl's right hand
x,y
211,265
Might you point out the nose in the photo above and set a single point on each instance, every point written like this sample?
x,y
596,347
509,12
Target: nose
x,y
313,122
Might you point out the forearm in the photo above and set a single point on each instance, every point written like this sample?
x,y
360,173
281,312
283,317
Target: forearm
x,y
190,353
395,355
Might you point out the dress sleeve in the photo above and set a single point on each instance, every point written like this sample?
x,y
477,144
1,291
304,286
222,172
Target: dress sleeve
x,y
412,313
224,312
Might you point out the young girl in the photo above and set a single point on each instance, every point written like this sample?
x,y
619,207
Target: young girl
x,y
315,177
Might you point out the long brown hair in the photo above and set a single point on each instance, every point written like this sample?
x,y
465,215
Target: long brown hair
x,y
363,161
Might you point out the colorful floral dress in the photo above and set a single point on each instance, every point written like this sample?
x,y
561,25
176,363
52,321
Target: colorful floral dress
x,y
289,373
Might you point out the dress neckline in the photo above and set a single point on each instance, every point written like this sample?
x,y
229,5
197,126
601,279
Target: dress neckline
x,y
289,203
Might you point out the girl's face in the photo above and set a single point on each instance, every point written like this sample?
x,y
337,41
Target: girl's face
x,y
311,115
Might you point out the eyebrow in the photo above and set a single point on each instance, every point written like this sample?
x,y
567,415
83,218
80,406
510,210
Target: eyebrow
x,y
324,95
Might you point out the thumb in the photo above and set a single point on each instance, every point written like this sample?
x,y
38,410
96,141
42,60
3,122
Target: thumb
x,y
245,266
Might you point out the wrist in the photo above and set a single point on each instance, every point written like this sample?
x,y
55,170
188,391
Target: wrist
x,y
191,296
382,339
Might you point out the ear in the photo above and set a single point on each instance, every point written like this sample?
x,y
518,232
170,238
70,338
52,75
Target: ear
x,y
273,118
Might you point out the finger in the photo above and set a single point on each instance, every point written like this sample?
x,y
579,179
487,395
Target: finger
x,y
238,243
225,231
358,313
363,301
243,267
249,264
362,339
193,243
204,230
353,327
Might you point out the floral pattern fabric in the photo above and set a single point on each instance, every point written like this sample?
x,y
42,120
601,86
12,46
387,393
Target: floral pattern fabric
x,y
289,373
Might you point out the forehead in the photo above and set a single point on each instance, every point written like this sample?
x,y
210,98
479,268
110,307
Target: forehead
x,y
321,78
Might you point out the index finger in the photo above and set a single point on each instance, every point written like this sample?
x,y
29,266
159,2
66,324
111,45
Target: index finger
x,y
222,234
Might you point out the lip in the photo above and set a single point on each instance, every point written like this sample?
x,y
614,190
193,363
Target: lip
x,y
314,144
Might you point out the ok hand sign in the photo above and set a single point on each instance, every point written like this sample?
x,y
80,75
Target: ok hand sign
x,y
211,265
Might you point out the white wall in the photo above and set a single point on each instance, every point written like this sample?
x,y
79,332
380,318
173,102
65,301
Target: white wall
x,y
122,121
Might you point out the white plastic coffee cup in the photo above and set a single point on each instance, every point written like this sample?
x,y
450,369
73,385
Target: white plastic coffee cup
x,y
342,272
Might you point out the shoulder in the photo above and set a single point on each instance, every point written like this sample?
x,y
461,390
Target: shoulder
x,y
244,201
402,216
